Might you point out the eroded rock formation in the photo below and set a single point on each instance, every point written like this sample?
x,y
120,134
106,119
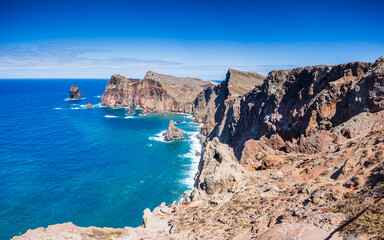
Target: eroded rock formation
x,y
173,133
296,109
74,92
210,104
300,156
156,92
131,110
219,174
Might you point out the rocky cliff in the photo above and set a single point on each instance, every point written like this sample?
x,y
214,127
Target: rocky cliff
x,y
312,141
209,106
296,110
157,92
298,156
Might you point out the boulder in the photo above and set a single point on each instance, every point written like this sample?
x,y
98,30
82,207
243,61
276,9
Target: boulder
x,y
173,133
347,132
74,93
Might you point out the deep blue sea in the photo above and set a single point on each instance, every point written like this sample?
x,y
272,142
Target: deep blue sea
x,y
61,162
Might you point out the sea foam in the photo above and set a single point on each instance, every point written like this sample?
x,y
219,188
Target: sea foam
x,y
159,137
71,99
195,146
110,116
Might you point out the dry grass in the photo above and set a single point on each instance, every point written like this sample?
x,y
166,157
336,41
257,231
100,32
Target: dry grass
x,y
363,217
101,234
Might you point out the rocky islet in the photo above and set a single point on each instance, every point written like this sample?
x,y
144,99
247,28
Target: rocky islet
x,y
74,92
173,133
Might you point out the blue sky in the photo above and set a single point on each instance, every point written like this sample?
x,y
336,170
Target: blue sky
x,y
94,39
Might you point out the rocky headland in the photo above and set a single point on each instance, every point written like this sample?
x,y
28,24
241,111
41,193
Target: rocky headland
x,y
156,92
210,104
74,92
298,154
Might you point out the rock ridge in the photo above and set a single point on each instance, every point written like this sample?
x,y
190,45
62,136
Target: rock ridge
x,y
156,92
298,107
209,106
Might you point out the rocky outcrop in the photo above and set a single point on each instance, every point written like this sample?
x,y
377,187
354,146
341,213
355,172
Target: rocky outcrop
x,y
145,111
183,90
288,159
219,173
74,92
173,133
302,105
70,231
157,92
120,91
131,110
210,104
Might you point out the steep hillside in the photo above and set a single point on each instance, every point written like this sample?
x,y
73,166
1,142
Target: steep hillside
x,y
210,104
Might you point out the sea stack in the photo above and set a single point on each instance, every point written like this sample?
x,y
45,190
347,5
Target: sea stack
x,y
131,110
74,92
173,133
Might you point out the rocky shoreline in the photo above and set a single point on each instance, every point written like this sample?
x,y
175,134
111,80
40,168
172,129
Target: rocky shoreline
x,y
298,154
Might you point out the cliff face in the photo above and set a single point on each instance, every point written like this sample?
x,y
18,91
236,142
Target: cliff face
x,y
299,156
157,92
209,106
312,141
296,109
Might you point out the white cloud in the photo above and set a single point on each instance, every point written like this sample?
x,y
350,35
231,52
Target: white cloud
x,y
65,60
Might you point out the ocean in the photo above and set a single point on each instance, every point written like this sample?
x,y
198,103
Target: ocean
x,y
61,162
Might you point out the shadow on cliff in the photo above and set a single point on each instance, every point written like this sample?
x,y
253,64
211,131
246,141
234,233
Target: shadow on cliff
x,y
274,106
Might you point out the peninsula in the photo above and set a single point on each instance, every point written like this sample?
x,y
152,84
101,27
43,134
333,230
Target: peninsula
x,y
297,154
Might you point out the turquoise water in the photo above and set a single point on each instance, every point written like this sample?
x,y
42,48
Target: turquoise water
x,y
60,162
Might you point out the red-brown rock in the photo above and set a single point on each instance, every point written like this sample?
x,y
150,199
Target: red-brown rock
x,y
156,91
145,111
